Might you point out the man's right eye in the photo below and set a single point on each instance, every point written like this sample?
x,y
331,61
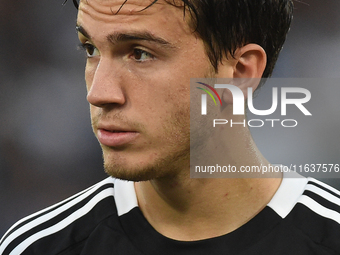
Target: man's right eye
x,y
91,50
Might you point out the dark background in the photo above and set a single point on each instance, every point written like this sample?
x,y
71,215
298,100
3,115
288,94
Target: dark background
x,y
47,149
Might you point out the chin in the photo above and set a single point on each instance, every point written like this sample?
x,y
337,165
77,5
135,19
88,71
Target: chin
x,y
132,174
167,167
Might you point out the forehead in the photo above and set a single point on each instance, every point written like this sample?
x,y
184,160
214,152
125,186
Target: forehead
x,y
129,10
100,16
117,6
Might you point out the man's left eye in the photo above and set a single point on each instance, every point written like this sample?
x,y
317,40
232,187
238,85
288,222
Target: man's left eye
x,y
141,55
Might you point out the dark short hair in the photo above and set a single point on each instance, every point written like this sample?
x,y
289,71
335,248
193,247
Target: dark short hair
x,y
226,25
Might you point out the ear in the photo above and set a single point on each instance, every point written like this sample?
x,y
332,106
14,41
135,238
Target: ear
x,y
249,61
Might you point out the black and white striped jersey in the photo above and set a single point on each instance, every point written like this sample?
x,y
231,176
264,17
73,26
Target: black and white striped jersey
x,y
302,218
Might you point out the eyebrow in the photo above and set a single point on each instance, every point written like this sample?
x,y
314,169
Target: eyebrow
x,y
81,30
117,37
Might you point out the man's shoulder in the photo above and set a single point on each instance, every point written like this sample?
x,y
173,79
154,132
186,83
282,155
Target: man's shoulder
x,y
321,200
311,209
317,214
64,225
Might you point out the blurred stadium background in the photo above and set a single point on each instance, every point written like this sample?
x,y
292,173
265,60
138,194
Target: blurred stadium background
x,y
47,149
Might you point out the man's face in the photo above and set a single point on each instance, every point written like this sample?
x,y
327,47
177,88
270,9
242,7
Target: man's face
x,y
138,81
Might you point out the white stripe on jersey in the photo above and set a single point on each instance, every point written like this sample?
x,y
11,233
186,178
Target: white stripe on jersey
x,y
323,193
325,185
46,217
319,209
64,223
41,212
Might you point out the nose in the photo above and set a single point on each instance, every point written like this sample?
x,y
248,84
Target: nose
x,y
104,84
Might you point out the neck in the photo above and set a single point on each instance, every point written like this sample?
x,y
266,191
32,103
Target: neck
x,y
187,209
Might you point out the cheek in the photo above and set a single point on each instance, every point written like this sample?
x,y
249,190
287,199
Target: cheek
x,y
179,107
90,70
95,113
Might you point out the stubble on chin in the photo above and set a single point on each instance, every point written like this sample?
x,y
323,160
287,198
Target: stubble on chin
x,y
167,167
